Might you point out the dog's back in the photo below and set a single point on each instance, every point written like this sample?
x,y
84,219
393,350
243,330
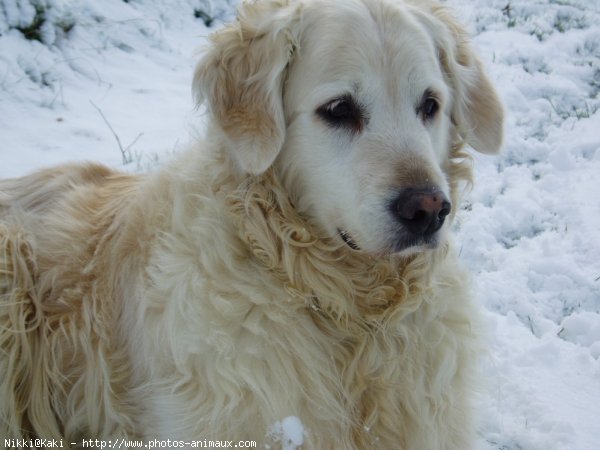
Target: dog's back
x,y
55,230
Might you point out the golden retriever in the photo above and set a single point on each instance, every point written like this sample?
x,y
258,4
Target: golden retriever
x,y
295,263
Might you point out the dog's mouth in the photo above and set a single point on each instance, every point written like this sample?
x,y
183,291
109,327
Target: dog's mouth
x,y
415,245
401,245
348,240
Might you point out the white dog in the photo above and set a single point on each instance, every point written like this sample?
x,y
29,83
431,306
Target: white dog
x,y
295,263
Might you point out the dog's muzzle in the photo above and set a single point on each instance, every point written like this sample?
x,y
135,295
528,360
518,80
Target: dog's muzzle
x,y
420,214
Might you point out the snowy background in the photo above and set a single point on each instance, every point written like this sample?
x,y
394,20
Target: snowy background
x,y
75,75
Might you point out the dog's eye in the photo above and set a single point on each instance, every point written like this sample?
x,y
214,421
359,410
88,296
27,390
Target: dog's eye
x,y
429,106
343,112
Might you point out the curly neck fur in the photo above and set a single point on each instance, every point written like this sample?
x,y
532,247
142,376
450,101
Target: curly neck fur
x,y
358,291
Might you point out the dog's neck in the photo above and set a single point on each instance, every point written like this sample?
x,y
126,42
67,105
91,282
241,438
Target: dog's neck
x,y
345,288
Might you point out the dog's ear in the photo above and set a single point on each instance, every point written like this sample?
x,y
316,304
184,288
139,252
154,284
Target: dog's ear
x,y
477,111
241,78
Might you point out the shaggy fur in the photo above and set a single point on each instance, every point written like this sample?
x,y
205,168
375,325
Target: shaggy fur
x,y
215,297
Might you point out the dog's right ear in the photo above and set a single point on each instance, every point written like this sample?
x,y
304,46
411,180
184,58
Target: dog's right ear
x,y
241,78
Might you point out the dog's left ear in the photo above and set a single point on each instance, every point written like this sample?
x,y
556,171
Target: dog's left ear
x,y
241,78
477,112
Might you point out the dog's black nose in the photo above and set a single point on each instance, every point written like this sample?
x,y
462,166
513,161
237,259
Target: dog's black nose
x,y
422,211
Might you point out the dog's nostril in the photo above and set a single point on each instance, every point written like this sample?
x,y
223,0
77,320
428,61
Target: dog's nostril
x,y
422,211
446,209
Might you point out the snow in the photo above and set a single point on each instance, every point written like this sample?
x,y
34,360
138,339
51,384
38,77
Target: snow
x,y
132,61
289,432
529,230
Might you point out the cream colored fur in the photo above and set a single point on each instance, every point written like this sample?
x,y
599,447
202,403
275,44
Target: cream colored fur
x,y
210,300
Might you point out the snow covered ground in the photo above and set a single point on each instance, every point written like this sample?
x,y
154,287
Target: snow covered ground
x,y
77,74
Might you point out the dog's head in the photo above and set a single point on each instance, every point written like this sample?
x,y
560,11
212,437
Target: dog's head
x,y
356,105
